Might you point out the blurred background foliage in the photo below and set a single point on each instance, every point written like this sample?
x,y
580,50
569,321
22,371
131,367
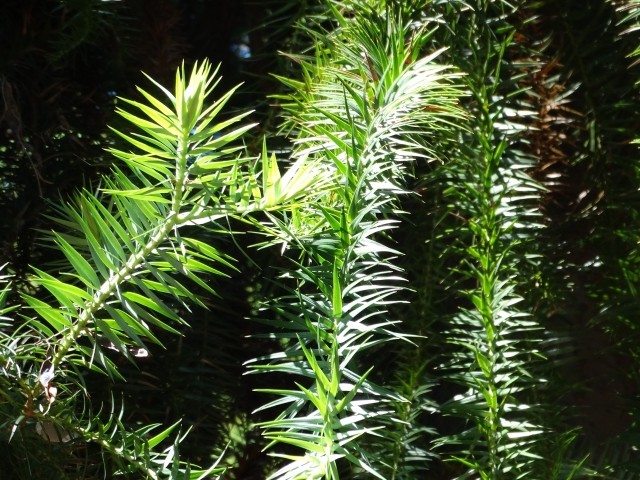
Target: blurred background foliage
x,y
568,82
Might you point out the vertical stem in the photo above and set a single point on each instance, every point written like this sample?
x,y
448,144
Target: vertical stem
x,y
487,235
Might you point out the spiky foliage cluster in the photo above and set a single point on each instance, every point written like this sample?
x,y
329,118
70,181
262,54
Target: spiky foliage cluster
x,y
508,259
362,109
132,266
446,282
480,214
